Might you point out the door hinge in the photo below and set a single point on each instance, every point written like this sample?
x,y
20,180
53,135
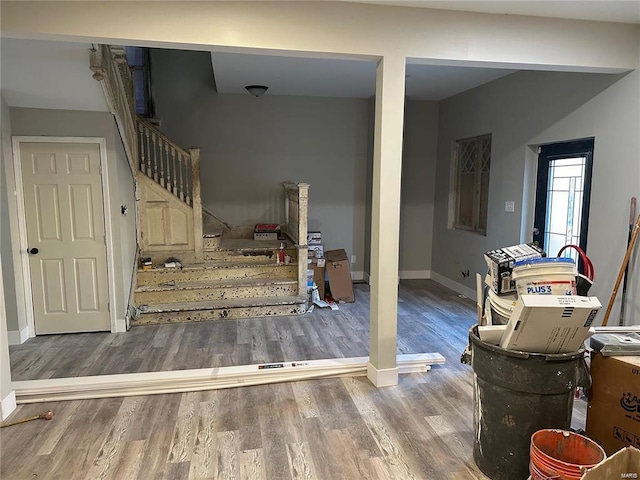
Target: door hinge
x,y
100,169
108,307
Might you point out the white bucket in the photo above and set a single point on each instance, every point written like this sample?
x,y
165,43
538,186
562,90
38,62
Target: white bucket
x,y
501,307
545,276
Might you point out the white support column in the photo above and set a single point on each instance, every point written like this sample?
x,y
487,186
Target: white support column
x,y
385,222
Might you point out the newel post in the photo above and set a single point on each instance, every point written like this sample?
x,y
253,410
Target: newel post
x,y
197,205
303,250
303,205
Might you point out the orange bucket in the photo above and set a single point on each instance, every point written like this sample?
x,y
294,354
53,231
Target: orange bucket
x,y
562,455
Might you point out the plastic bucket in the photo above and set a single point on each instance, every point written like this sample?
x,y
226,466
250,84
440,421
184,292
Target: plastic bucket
x,y
515,395
545,276
501,307
562,454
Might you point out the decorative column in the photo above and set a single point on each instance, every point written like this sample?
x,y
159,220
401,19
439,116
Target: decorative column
x,y
385,222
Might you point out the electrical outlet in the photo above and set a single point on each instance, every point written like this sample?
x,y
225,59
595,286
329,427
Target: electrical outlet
x,y
509,206
353,259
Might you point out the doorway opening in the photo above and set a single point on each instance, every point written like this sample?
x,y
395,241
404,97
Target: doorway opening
x,y
563,195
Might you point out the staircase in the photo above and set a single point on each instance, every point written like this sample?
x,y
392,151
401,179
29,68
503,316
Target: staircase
x,y
222,273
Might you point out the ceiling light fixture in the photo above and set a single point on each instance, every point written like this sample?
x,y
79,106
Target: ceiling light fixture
x,y
257,90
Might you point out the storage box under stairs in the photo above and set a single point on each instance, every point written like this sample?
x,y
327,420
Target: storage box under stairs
x,y
239,279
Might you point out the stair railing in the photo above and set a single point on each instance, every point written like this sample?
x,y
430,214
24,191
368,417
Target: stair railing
x,y
148,150
110,68
166,163
296,198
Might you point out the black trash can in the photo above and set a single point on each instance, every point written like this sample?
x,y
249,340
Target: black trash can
x,y
515,395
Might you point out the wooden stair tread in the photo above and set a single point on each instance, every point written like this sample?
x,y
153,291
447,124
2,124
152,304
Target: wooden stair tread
x,y
241,282
214,265
231,303
247,244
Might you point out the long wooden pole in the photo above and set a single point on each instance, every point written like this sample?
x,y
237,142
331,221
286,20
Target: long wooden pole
x,y
625,262
623,298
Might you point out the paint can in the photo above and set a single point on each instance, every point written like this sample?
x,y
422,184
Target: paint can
x,y
545,276
501,307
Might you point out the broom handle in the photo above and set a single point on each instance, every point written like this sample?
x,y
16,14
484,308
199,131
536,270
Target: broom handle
x,y
632,215
625,262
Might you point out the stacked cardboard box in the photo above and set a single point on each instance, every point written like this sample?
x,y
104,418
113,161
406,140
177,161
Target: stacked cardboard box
x,y
266,231
501,261
339,273
316,262
613,412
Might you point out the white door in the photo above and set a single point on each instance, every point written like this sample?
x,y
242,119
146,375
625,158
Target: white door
x,y
66,236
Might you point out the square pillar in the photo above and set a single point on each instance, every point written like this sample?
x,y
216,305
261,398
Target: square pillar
x,y
385,220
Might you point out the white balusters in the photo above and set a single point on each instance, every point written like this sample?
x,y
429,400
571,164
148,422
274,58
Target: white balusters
x,y
187,187
146,132
169,165
142,164
175,155
155,155
181,183
165,159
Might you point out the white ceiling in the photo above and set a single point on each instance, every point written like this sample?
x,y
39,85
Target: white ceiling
x,y
45,74
623,11
353,78
321,77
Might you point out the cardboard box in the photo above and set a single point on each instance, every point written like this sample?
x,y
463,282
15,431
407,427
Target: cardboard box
x,y
339,272
500,263
261,236
314,238
318,276
550,323
613,412
625,463
316,251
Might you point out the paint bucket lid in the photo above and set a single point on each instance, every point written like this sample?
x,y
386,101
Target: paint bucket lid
x,y
544,261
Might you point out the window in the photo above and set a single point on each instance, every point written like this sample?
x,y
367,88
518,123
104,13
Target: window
x,y
138,60
473,160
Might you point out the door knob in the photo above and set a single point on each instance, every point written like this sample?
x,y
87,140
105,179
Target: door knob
x,y
33,251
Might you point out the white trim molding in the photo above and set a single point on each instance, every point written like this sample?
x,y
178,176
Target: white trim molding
x,y
18,337
414,274
357,276
366,277
8,405
386,377
149,383
455,286
22,223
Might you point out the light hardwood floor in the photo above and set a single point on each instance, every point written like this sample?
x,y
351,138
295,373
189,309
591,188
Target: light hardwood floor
x,y
431,318
342,428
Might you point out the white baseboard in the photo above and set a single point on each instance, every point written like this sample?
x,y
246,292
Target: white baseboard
x,y
8,405
357,276
18,337
455,286
414,274
149,383
386,377
366,277
121,325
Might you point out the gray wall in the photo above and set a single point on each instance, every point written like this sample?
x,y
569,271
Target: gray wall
x,y
418,183
6,250
67,123
522,111
251,145
127,223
